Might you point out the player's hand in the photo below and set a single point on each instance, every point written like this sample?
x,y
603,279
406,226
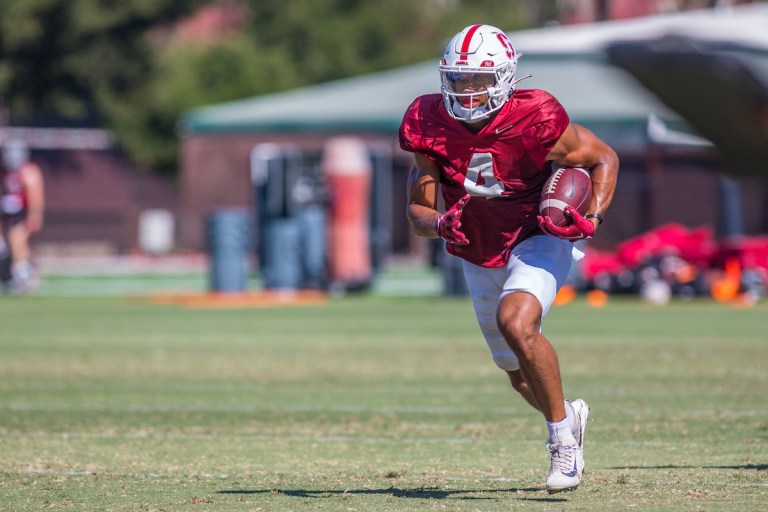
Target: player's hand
x,y
579,229
448,225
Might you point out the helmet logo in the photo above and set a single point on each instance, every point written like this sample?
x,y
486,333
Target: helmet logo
x,y
504,40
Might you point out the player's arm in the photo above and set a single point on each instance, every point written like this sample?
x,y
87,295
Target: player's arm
x,y
425,220
32,179
579,147
423,181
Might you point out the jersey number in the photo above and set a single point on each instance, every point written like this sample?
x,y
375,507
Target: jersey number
x,y
481,166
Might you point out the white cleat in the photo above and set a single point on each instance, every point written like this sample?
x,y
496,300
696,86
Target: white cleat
x,y
566,468
567,465
581,409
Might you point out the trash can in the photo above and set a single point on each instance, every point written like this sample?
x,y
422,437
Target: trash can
x,y
281,267
228,249
312,231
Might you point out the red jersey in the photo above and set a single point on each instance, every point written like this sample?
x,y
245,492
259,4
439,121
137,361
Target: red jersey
x,y
13,196
503,166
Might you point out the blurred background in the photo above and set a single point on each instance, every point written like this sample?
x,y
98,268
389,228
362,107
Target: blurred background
x,y
244,145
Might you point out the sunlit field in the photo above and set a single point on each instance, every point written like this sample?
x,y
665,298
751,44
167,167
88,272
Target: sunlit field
x,y
371,403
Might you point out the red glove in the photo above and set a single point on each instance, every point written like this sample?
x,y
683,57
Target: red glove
x,y
579,229
448,226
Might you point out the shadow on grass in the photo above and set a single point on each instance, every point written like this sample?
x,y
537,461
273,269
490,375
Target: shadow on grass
x,y
425,493
748,467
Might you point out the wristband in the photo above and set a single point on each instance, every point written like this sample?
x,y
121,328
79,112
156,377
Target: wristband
x,y
595,216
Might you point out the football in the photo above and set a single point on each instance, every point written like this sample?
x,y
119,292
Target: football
x,y
567,186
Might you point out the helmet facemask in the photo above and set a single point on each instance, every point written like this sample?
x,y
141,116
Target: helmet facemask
x,y
474,103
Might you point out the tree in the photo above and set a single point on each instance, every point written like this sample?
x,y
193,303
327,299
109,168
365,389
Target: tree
x,y
188,76
69,57
330,39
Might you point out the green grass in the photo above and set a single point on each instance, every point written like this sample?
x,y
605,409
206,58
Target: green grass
x,y
371,404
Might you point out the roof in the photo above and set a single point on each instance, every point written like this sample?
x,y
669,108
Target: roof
x,y
745,25
567,61
375,101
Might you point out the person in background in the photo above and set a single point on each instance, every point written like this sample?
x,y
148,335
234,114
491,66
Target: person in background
x,y
489,148
22,205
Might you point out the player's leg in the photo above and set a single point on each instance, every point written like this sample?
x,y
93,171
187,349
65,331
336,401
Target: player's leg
x,y
23,276
18,240
519,318
577,411
537,268
521,386
5,259
485,286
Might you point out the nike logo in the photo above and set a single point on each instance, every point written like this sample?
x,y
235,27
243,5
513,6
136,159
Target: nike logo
x,y
502,130
572,189
572,474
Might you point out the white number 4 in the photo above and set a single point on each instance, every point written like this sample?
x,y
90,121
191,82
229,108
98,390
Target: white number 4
x,y
481,165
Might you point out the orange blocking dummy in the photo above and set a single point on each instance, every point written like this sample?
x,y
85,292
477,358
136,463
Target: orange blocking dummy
x,y
347,167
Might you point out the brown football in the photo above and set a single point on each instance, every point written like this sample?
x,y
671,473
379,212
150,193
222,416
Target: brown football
x,y
567,186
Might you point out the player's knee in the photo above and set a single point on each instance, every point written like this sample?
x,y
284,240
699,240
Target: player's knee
x,y
518,331
519,321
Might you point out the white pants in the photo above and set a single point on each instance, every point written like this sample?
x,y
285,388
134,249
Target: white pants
x,y
538,265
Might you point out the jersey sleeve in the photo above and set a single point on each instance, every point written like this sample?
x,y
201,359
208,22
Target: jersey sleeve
x,y
410,134
552,122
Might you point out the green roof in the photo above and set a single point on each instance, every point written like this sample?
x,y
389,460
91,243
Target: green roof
x,y
374,101
588,88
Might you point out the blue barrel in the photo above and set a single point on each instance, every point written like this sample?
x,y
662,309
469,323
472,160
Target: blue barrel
x,y
312,228
282,251
228,241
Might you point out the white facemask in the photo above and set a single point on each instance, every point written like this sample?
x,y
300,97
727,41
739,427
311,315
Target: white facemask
x,y
467,113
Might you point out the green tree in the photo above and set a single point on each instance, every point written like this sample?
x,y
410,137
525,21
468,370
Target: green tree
x,y
71,56
330,39
187,76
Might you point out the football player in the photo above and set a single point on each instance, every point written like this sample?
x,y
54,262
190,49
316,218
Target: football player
x,y
489,148
21,211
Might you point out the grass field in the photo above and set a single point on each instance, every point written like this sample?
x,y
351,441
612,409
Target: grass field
x,y
371,404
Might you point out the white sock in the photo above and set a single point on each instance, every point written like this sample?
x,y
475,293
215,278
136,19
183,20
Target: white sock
x,y
560,432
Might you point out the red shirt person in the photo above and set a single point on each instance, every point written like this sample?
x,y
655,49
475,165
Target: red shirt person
x,y
489,148
22,206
